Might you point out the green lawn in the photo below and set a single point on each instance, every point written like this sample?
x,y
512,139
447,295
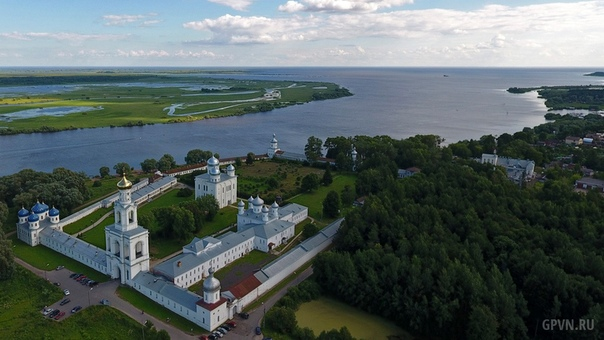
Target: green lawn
x,y
314,200
327,313
150,307
85,222
25,295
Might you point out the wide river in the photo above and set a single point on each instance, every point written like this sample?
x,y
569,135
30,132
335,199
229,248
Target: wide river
x,y
454,103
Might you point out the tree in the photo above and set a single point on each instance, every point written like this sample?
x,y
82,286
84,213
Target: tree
x,y
104,171
209,205
331,204
347,196
310,230
122,168
327,177
238,162
249,160
313,149
196,156
7,261
166,162
149,165
309,183
281,319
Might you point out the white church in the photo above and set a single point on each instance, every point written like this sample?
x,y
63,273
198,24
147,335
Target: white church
x,y
126,255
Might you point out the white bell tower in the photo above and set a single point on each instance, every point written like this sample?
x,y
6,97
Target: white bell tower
x,y
127,243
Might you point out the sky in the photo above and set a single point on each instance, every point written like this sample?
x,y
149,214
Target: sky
x,y
268,33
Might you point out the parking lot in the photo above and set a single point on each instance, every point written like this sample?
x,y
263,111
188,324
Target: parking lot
x,y
79,294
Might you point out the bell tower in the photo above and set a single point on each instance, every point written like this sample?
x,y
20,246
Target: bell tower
x,y
127,243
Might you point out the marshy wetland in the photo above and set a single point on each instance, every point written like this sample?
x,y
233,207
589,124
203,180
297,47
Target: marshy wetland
x,y
42,102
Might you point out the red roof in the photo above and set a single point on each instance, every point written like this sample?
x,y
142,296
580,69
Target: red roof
x,y
244,287
211,306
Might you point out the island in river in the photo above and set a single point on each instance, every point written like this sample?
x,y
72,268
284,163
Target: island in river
x,y
47,102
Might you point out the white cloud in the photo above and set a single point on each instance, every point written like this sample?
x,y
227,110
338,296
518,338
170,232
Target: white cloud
x,y
340,5
143,53
125,19
240,5
260,30
61,36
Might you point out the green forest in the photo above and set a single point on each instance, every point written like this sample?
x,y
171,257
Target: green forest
x,y
459,251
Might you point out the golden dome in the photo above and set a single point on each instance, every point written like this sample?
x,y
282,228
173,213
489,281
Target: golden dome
x,y
124,183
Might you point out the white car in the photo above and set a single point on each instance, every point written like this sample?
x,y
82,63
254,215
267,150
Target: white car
x,y
66,292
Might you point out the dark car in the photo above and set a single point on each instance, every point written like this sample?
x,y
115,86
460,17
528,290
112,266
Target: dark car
x,y
54,313
64,302
73,275
57,283
244,315
258,330
76,309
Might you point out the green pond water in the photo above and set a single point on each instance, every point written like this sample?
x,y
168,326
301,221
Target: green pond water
x,y
326,313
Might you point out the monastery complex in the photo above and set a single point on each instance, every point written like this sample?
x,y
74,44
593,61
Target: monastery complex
x,y
260,227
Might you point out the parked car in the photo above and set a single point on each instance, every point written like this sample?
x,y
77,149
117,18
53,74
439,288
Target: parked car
x,y
66,292
203,337
47,311
244,315
218,334
73,275
105,302
76,309
64,302
211,337
60,267
60,315
54,313
258,330
57,283
232,323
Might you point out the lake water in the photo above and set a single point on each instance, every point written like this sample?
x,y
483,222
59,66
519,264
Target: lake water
x,y
399,102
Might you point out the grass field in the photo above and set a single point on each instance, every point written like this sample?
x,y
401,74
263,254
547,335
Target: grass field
x,y
314,200
135,99
25,295
326,313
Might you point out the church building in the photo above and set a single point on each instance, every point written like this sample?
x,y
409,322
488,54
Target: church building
x,y
218,184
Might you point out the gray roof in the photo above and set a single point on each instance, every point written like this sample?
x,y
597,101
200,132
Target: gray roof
x,y
189,261
291,208
85,249
290,155
272,228
278,265
591,181
167,289
148,189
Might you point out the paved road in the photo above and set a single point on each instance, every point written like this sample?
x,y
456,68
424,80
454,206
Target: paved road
x,y
85,296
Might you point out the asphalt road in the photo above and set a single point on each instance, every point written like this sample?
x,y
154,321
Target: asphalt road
x,y
85,296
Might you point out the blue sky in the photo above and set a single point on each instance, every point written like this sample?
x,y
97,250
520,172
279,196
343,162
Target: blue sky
x,y
521,33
